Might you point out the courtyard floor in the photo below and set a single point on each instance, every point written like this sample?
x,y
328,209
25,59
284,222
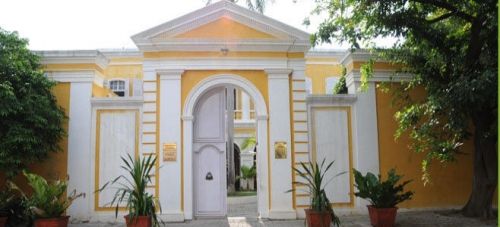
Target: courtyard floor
x,y
242,212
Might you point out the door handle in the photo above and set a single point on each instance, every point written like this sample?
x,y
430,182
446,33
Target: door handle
x,y
209,176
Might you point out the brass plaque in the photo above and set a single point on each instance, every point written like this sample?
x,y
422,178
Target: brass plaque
x,y
280,150
169,152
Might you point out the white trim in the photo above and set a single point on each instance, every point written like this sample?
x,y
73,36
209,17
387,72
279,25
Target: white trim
x,y
262,164
73,57
129,102
82,76
162,36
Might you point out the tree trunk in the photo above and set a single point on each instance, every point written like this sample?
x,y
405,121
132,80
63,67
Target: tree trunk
x,y
484,180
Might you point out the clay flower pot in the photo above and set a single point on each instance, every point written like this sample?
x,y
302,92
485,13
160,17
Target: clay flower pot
x,y
140,221
318,219
3,221
382,217
52,222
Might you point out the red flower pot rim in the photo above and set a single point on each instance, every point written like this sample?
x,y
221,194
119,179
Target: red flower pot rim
x,y
372,206
54,218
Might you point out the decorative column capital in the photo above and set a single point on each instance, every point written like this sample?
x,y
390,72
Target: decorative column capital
x,y
283,73
170,74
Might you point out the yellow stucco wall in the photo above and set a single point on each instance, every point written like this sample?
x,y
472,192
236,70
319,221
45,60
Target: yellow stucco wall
x,y
72,67
191,78
451,182
318,74
226,29
98,91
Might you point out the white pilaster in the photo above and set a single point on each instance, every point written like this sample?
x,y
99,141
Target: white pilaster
x,y
170,132
262,167
187,122
365,139
279,123
79,140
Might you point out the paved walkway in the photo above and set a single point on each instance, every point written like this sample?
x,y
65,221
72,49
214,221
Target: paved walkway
x,y
242,212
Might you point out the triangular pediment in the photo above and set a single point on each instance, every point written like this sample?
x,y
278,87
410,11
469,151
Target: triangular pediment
x,y
222,25
224,28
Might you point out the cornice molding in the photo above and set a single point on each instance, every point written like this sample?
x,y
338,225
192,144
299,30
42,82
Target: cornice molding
x,y
82,76
121,102
73,57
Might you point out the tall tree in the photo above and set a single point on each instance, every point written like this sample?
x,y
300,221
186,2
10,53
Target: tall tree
x,y
30,119
451,48
255,5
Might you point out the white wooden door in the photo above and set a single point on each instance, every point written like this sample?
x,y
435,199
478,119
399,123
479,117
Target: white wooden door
x,y
209,147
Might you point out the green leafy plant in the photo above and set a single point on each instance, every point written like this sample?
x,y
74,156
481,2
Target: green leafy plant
x,y
381,194
48,199
314,175
248,173
341,86
249,142
131,189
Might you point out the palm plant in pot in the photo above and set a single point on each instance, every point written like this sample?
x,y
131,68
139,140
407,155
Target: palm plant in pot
x,y
382,195
131,192
48,201
320,214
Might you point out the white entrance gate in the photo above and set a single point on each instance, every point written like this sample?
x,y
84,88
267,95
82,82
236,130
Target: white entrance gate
x,y
209,147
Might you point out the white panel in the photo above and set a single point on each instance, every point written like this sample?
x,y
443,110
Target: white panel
x,y
300,126
330,84
308,85
148,138
301,147
149,96
209,118
149,86
149,107
299,106
148,148
303,200
299,95
137,87
301,136
117,138
331,142
301,157
300,116
149,75
298,85
149,117
149,128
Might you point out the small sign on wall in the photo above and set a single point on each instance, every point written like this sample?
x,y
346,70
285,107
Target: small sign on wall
x,y
169,152
280,150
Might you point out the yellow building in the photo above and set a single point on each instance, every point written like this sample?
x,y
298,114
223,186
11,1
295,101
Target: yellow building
x,y
224,73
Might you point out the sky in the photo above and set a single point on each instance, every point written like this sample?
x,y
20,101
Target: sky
x,y
109,24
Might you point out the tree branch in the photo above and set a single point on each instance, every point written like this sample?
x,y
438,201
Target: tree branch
x,y
440,18
449,7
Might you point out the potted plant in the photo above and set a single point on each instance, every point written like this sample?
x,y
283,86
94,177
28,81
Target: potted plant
x,y
382,195
321,213
48,202
247,174
6,198
131,192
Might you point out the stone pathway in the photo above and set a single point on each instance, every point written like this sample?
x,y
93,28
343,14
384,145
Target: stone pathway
x,y
242,212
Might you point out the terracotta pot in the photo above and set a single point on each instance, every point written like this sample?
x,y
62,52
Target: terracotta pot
x,y
382,217
318,219
3,221
52,222
140,221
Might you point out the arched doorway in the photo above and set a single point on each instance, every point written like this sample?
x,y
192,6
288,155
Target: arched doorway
x,y
190,141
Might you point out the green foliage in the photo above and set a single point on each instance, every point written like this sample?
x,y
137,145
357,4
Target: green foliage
x,y
30,119
451,48
48,199
314,175
248,173
341,86
249,142
131,189
381,194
